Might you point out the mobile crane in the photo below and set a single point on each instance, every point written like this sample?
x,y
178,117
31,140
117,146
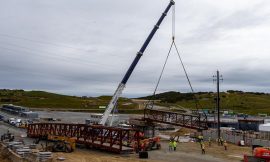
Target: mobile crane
x,y
122,84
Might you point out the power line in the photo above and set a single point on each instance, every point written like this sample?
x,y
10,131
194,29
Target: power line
x,y
118,57
60,58
53,53
47,52
42,42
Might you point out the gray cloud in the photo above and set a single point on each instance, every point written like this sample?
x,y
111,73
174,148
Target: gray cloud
x,y
85,47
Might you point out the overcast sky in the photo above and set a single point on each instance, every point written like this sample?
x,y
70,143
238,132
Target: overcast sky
x,y
81,47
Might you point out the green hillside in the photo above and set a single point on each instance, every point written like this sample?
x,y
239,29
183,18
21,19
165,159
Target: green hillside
x,y
41,99
238,101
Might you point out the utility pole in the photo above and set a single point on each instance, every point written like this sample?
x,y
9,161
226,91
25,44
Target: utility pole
x,y
217,78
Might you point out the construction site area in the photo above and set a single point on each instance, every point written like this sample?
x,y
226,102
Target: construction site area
x,y
91,149
157,133
145,137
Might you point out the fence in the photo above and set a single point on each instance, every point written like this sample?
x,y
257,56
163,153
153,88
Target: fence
x,y
234,137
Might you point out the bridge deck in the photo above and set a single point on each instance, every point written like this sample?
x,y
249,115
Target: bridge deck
x,y
185,120
118,140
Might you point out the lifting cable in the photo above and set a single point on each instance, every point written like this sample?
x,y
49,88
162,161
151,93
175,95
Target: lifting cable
x,y
189,82
151,101
173,44
163,68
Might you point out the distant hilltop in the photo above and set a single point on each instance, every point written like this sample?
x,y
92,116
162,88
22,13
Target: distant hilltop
x,y
237,101
51,101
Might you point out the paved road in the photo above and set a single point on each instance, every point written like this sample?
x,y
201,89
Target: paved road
x,y
19,133
75,117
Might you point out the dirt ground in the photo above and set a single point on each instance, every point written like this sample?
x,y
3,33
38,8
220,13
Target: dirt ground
x,y
190,152
84,155
186,152
3,159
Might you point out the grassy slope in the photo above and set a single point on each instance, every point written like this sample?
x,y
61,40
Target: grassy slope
x,y
251,103
41,99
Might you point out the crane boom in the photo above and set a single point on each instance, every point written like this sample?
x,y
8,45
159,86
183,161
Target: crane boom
x,y
121,86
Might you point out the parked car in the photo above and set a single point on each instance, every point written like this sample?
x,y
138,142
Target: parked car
x,y
12,121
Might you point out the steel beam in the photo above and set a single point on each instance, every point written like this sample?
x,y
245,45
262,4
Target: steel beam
x,y
185,120
118,140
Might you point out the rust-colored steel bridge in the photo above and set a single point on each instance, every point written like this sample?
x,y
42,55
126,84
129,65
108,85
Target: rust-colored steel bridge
x,y
118,140
198,121
114,139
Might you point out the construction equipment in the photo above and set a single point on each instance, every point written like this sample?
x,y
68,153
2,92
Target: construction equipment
x,y
7,137
61,144
114,139
57,143
23,125
148,144
121,86
151,143
260,154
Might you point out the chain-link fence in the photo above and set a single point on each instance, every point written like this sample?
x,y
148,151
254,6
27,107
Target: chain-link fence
x,y
235,137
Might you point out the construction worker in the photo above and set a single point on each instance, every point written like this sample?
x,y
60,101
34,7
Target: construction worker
x,y
203,148
201,144
170,145
141,134
209,141
221,141
225,145
142,146
135,146
174,145
200,138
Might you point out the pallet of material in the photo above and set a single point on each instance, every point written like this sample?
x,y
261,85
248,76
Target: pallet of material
x,y
44,156
22,152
